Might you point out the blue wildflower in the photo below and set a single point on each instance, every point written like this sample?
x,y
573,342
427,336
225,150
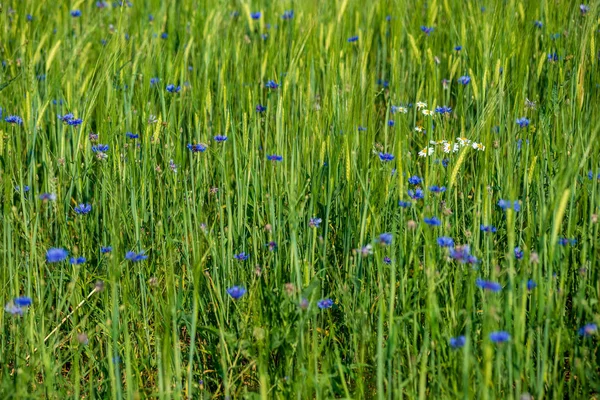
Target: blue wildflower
x,y
463,255
74,122
274,157
272,245
464,80
132,135
404,204
135,257
14,119
100,148
164,35
22,301
271,85
416,194
584,9
385,157
458,342
83,209
415,180
538,24
105,250
458,48
154,81
445,162
196,148
488,285
507,205
325,303
387,260
314,222
437,189
241,256
565,241
54,255
488,228
353,39
385,238
384,83
362,129
255,15
531,284
47,197
391,123
29,17
552,57
427,29
236,292
588,330
172,88
76,13
77,260
523,122
261,108
433,221
25,189
443,110
499,337
288,14
445,241
518,253
220,138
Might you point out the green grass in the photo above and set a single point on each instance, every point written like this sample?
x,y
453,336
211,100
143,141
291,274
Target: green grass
x,y
166,328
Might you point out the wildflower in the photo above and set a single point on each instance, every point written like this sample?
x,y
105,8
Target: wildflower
x,y
538,24
14,119
362,129
588,330
25,189
396,109
488,228
420,129
427,113
443,110
404,204
100,148
47,197
565,241
54,255
385,238
445,162
427,151
507,205
445,241
325,303
77,260
391,123
552,57
236,292
385,157
29,17
76,13
499,337
314,222
584,9
523,122
437,189
135,257
304,303
164,35
255,15
387,260
196,148
83,209
420,105
384,83
415,180
105,250
74,122
271,85
458,48
260,108
518,253
272,246
458,342
288,14
220,138
531,284
433,221
18,305
131,136
366,250
241,256
427,30
416,194
353,39
22,301
488,285
463,255
478,146
274,157
464,80
172,88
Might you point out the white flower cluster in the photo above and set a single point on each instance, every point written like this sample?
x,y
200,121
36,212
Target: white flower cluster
x,y
450,147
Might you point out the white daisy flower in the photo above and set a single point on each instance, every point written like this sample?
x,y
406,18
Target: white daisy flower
x,y
420,105
427,151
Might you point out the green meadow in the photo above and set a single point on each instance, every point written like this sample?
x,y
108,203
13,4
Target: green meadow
x,y
299,199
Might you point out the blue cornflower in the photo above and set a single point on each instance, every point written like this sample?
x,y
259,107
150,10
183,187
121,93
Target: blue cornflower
x,y
22,301
314,222
462,254
384,83
274,157
101,4
47,197
464,80
325,303
83,209
100,148
74,122
588,330
105,250
538,24
385,238
518,253
437,189
272,245
507,205
387,260
458,48
14,119
76,13
391,123
13,309
25,189
552,57
288,14
236,292
433,221
241,256
565,241
488,228
443,110
132,135
154,81
415,180
77,260
196,148
29,17
362,129
54,255
458,342
353,39
531,284
172,88
584,9
499,337
261,108
271,85
523,122
385,157
404,204
488,285
255,15
416,194
427,29
135,257
445,162
164,35
220,138
445,241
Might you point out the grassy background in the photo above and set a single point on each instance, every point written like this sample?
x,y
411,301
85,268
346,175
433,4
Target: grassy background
x,y
166,328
